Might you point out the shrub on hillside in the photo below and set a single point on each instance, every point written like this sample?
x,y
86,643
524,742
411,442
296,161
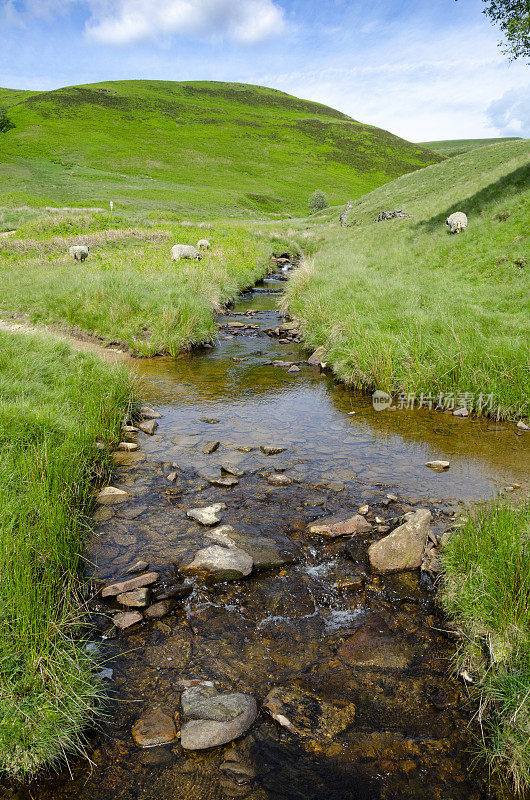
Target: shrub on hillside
x,y
5,122
317,201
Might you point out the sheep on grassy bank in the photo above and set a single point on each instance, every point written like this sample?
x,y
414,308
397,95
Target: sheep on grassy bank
x,y
79,252
203,244
456,222
179,251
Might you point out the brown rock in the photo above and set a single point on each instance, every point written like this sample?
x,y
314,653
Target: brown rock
x,y
279,480
126,619
159,610
139,582
137,598
127,447
210,447
270,450
342,524
374,645
154,728
111,494
403,548
149,426
149,413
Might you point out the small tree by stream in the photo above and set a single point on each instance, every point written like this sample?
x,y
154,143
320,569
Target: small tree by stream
x,y
317,201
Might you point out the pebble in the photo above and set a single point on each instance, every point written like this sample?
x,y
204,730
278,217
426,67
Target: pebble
x,y
209,420
461,412
294,368
364,510
523,426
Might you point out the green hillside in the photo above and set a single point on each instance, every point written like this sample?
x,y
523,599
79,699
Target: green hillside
x,y
202,147
9,97
404,306
455,147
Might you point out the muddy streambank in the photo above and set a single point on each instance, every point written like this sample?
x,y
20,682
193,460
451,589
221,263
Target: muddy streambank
x,y
359,662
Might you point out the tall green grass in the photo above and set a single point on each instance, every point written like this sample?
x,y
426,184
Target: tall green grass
x,y
54,405
486,591
128,289
403,306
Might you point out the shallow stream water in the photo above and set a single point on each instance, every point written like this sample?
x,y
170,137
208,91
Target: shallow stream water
x,y
392,724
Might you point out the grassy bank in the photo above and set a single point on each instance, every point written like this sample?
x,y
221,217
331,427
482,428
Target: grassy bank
x,y
403,306
128,289
455,147
54,405
487,592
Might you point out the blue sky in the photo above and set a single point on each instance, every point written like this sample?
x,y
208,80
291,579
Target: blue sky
x,y
422,69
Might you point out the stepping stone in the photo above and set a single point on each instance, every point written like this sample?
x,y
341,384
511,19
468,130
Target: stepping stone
x,y
138,598
214,719
271,450
220,563
403,548
111,494
231,469
149,426
154,728
208,515
223,481
343,524
127,447
139,582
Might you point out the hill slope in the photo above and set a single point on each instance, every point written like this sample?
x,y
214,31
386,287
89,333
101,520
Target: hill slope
x,y
204,146
454,147
404,306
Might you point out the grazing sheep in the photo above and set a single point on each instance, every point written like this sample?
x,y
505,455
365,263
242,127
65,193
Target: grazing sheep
x,y
203,244
79,252
456,222
179,251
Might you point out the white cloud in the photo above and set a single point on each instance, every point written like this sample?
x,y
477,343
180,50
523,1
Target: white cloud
x,y
510,114
129,21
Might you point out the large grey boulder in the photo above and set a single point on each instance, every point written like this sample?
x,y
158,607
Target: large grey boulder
x,y
403,548
214,719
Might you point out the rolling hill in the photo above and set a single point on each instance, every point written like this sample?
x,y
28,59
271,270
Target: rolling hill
x,y
455,147
197,147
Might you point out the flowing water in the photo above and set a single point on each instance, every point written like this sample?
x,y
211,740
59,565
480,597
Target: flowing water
x,y
365,658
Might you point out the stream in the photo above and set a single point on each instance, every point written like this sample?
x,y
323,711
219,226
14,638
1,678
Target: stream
x,y
363,659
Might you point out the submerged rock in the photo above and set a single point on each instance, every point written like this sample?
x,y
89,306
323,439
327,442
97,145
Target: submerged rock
x,y
127,619
403,548
265,553
223,481
214,719
154,728
220,563
208,515
279,480
210,447
374,645
342,524
138,598
307,714
272,450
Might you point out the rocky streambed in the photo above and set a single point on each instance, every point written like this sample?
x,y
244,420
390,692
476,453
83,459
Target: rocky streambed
x,y
262,584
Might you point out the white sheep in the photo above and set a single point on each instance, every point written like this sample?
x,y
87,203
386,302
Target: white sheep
x,y
203,244
457,222
79,252
179,251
